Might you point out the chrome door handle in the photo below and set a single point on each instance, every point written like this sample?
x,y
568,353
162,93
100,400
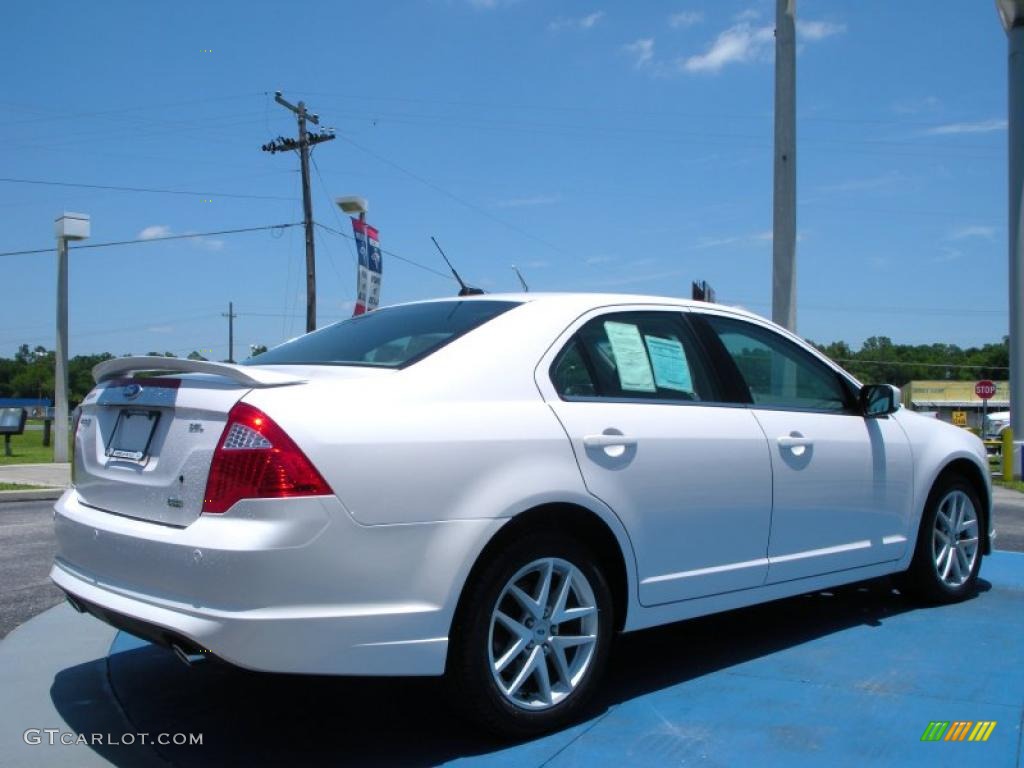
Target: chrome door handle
x,y
794,441
608,441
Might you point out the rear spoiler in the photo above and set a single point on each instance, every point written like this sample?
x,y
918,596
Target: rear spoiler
x,y
246,375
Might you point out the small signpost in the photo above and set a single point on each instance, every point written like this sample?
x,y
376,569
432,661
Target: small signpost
x,y
986,390
12,422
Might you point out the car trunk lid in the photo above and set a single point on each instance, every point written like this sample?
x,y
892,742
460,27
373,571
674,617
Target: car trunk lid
x,y
146,434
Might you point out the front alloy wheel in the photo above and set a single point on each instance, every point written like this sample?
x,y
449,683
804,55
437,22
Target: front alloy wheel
x,y
947,555
955,538
531,636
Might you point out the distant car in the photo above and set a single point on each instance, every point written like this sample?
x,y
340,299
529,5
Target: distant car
x,y
996,423
490,488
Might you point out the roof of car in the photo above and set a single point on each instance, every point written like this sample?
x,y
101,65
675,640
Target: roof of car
x,y
584,300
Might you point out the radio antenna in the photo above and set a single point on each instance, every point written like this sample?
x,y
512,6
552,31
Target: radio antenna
x,y
526,288
464,290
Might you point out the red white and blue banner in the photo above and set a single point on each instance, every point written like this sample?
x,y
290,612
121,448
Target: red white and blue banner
x,y
371,262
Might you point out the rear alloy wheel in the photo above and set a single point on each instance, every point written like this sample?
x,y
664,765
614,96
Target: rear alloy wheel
x,y
533,637
948,554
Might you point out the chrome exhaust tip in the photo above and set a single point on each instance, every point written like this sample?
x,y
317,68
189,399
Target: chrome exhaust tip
x,y
74,603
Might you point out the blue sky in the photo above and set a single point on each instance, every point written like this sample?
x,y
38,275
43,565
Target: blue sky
x,y
597,145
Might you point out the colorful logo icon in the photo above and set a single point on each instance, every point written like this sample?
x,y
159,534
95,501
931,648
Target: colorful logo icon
x,y
958,730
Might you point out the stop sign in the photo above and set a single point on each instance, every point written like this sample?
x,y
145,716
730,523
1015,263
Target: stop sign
x,y
985,389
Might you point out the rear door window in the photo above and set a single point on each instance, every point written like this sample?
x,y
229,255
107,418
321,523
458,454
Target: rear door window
x,y
633,355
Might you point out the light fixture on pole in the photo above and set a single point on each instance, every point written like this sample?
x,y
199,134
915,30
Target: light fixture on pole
x,y
353,204
1012,14
69,226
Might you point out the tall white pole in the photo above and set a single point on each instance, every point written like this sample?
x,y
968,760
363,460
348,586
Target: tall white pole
x,y
1012,12
60,379
784,191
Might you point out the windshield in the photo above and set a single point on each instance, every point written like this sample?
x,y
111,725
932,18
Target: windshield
x,y
393,337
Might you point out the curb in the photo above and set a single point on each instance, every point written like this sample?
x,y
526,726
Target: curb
x,y
32,494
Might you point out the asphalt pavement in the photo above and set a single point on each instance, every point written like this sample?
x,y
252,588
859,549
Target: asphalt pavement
x,y
27,547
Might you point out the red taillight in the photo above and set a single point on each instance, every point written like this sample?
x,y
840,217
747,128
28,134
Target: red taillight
x,y
255,459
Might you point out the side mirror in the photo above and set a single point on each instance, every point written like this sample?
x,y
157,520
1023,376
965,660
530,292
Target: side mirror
x,y
879,400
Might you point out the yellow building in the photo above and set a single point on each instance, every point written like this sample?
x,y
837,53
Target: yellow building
x,y
946,398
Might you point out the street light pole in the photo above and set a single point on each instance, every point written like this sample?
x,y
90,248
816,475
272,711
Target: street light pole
x,y
1012,14
70,226
784,188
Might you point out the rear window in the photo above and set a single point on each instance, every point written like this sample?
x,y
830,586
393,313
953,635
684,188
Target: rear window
x,y
387,338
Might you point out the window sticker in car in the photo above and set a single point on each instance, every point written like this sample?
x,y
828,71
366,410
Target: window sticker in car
x,y
631,360
671,371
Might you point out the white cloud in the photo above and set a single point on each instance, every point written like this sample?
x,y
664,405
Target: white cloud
x,y
981,126
745,42
873,182
741,42
208,243
812,31
641,51
916,106
685,19
154,231
748,15
963,233
528,202
594,260
717,242
753,238
583,22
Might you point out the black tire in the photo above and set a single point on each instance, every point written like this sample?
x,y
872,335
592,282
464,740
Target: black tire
x,y
923,580
471,684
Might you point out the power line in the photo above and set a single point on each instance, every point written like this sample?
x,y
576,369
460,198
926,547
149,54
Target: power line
x,y
121,110
629,111
142,189
670,132
158,239
386,252
456,198
330,203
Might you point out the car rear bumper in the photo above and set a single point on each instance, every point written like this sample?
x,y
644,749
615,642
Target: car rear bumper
x,y
284,585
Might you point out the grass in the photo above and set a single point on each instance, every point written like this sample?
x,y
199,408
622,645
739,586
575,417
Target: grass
x,y
20,487
27,448
1015,485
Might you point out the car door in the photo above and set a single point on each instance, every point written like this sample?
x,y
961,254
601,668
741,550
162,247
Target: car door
x,y
688,474
842,483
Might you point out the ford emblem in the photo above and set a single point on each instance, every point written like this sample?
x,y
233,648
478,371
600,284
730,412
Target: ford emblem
x,y
131,391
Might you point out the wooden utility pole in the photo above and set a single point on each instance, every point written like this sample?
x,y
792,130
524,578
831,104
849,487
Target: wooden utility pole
x,y
302,144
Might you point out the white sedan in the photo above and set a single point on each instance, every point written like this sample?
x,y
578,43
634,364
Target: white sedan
x,y
490,488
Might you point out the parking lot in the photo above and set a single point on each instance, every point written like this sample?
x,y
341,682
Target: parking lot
x,y
849,676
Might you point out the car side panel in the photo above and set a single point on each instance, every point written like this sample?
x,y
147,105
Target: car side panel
x,y
934,446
